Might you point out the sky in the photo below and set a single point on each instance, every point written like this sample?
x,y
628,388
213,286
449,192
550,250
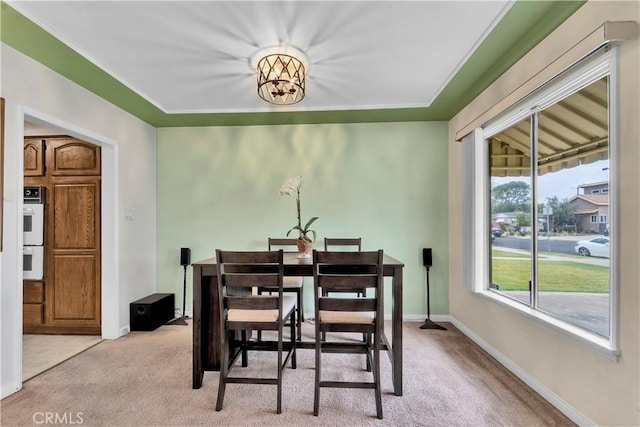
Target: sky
x,y
563,183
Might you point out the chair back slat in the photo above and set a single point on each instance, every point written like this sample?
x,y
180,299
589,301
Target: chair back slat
x,y
282,243
345,258
252,302
356,242
347,304
348,279
250,280
247,257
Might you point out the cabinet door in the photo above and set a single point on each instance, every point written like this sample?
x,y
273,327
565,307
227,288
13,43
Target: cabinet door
x,y
72,157
73,275
32,292
33,157
32,315
33,308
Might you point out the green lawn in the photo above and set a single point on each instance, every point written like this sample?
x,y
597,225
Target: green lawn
x,y
553,276
507,254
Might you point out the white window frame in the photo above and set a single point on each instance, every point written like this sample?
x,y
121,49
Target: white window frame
x,y
594,219
603,219
477,217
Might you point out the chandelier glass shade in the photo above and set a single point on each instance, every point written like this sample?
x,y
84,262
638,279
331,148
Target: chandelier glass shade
x,y
281,79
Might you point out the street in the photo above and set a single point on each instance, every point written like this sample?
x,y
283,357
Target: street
x,y
563,246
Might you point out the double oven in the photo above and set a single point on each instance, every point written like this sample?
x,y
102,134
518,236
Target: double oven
x,y
33,213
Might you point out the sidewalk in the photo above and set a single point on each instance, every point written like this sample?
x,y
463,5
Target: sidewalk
x,y
603,262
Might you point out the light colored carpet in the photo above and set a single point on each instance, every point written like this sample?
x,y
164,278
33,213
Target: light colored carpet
x,y
41,352
144,379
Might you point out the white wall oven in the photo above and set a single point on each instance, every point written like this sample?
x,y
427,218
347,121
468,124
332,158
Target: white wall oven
x,y
33,233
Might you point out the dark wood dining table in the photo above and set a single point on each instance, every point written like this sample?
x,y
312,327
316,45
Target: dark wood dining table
x,y
206,332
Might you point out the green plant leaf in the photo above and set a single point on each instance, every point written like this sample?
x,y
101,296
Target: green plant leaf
x,y
294,228
306,227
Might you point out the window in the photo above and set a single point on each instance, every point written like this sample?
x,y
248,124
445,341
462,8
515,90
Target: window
x,y
535,157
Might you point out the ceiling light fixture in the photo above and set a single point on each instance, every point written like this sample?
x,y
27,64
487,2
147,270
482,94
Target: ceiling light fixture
x,y
281,79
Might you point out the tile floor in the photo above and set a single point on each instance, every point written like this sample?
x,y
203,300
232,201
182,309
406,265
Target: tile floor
x,y
42,352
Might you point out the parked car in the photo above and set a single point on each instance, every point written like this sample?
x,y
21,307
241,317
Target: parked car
x,y
598,246
496,232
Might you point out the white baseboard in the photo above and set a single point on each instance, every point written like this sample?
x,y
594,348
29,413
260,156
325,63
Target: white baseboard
x,y
564,407
405,318
422,318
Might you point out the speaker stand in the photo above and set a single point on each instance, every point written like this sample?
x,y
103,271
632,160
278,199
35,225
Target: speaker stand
x,y
428,323
182,320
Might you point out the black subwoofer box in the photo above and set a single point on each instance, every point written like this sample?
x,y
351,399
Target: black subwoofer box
x,y
151,312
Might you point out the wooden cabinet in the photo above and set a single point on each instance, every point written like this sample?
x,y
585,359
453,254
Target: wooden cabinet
x,y
73,274
33,292
68,300
34,157
33,299
72,157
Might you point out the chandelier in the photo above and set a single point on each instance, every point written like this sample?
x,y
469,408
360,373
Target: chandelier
x,y
281,79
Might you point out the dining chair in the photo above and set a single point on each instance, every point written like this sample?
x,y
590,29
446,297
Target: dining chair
x,y
355,242
241,311
335,271
290,283
342,243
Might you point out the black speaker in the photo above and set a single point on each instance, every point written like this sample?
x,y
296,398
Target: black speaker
x,y
426,257
151,312
185,256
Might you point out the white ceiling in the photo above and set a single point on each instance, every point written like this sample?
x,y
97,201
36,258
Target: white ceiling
x,y
194,57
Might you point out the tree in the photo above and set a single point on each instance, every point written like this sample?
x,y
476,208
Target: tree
x,y
523,219
563,214
511,197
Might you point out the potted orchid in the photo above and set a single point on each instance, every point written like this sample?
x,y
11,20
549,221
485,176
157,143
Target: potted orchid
x,y
292,187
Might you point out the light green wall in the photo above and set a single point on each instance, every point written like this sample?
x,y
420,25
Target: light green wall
x,y
386,182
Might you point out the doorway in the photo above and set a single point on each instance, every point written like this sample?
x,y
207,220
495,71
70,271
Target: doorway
x,y
61,347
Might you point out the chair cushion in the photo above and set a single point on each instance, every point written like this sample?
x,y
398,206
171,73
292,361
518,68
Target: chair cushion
x,y
347,316
289,282
243,315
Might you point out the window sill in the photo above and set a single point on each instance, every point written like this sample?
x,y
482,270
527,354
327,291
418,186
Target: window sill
x,y
595,342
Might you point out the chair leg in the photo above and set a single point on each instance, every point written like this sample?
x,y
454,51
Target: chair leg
x,y
259,336
367,339
279,396
301,299
224,370
316,393
376,374
300,314
245,353
293,340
